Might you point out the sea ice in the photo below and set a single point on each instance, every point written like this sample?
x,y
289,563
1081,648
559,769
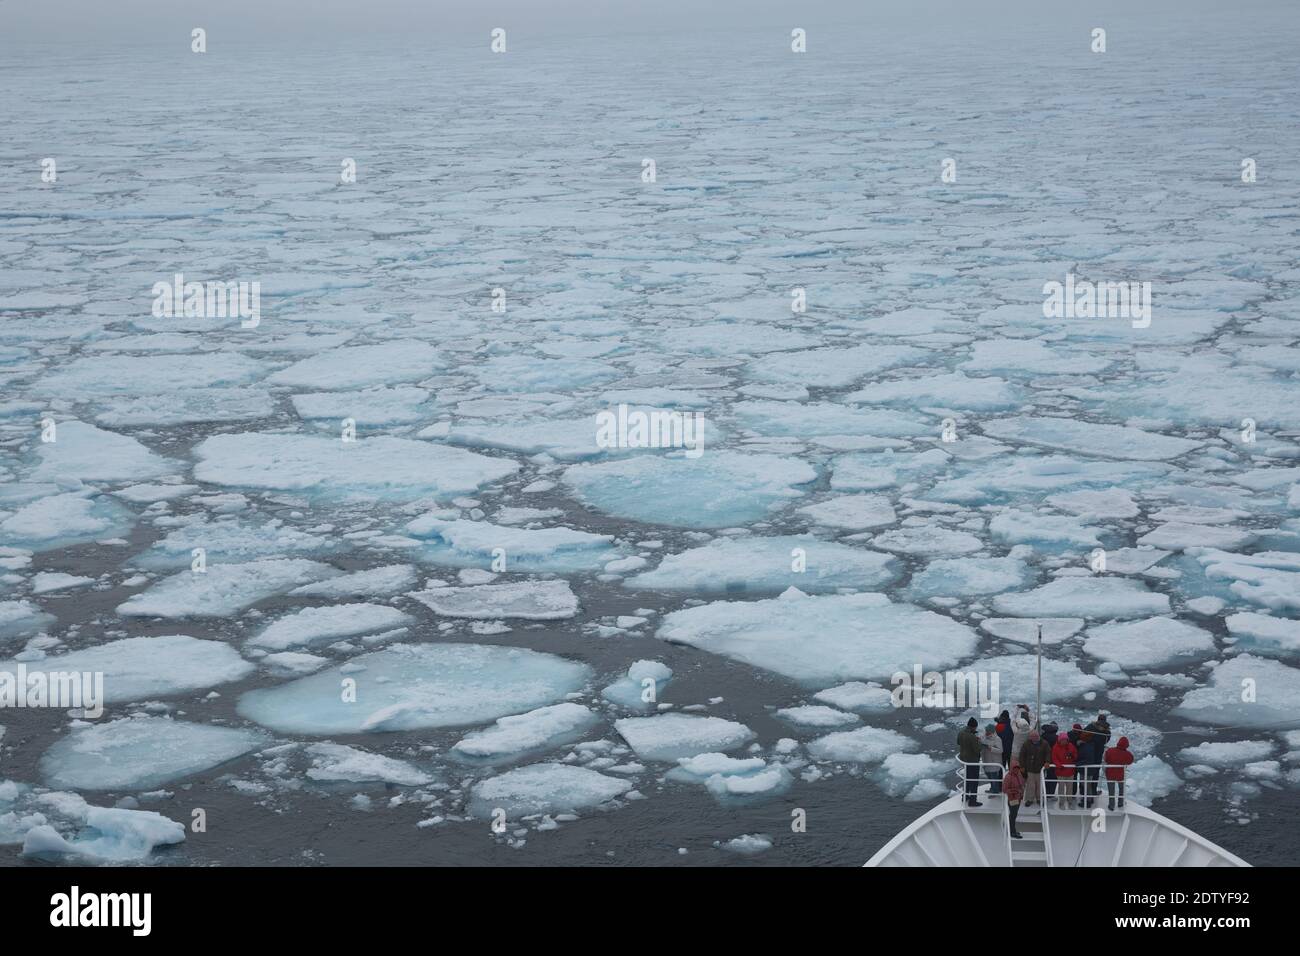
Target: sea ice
x,y
223,589
1274,700
335,763
631,690
356,366
822,640
1087,597
316,625
519,734
761,565
963,577
414,686
141,753
864,745
527,600
384,468
141,668
87,453
1087,438
544,788
672,736
851,512
481,544
1154,642
719,489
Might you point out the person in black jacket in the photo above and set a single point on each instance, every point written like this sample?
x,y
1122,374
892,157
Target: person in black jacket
x,y
1049,732
1007,735
1091,751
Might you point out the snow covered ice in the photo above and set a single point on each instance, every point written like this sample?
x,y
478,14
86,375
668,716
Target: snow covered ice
x,y
375,545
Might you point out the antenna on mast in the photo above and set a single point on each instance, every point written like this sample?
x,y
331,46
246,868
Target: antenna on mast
x,y
1038,704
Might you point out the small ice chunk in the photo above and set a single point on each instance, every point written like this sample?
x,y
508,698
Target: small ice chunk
x,y
335,763
544,788
812,715
864,745
315,625
527,600
641,687
539,729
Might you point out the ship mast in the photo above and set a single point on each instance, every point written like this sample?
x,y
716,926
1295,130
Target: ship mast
x,y
1038,704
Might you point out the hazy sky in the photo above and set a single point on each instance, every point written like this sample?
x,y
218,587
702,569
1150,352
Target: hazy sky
x,y
147,21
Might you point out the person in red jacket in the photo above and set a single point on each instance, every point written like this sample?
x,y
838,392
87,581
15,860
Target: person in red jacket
x,y
1117,758
1065,757
1013,785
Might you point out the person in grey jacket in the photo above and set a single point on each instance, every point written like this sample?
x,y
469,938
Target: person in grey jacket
x,y
968,752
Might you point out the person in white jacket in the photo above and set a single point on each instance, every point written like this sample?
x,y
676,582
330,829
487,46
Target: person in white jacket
x,y
1020,727
991,757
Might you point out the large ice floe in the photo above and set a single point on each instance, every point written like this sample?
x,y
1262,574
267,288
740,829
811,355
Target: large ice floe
x,y
141,668
142,753
715,490
223,589
457,542
823,640
413,686
1246,691
1088,597
768,565
384,467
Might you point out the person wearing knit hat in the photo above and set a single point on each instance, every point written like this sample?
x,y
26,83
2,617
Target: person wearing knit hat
x,y
1013,785
968,752
991,757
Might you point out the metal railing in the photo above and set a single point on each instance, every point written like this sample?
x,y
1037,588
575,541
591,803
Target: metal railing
x,y
1086,787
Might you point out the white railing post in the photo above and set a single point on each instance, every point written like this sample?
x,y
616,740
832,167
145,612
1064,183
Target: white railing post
x,y
1044,813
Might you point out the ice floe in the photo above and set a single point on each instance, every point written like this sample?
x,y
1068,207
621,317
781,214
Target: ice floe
x,y
724,488
141,753
754,565
673,736
526,600
519,734
822,640
413,686
316,625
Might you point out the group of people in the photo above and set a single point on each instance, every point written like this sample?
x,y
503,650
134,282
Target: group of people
x,y
1019,757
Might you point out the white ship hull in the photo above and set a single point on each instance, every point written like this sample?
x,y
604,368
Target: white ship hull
x,y
954,835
